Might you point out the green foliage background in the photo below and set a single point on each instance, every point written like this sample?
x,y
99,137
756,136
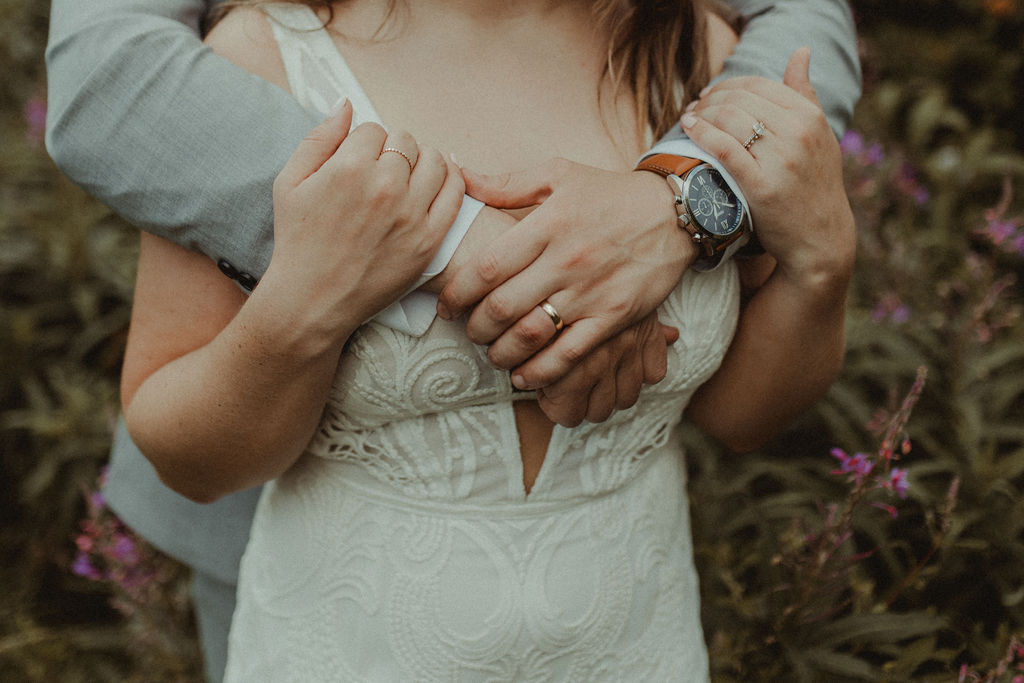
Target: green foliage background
x,y
944,83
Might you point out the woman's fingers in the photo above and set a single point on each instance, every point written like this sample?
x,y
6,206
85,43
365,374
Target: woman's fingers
x,y
318,146
428,176
724,146
749,120
400,151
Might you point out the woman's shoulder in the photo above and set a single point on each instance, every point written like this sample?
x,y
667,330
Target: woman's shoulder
x,y
244,36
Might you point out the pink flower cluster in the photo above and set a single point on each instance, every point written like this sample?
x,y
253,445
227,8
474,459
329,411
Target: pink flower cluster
x,y
109,551
876,471
35,119
1012,664
890,307
859,467
1002,231
903,177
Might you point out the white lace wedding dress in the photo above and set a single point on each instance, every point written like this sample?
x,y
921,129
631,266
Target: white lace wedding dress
x,y
403,547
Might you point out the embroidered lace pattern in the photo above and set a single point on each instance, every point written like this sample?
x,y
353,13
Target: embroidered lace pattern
x,y
403,547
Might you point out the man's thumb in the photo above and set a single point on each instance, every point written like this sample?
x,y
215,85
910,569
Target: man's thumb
x,y
798,75
509,190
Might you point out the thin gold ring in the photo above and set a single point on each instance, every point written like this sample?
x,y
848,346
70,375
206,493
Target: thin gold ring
x,y
553,314
400,153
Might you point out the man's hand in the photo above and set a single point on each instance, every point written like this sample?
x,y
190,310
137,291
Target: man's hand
x,y
602,248
611,376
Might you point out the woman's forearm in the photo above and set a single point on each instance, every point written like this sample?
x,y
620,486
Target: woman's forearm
x,y
239,410
787,350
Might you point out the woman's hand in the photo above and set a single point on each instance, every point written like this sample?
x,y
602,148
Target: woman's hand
x,y
791,176
357,217
789,344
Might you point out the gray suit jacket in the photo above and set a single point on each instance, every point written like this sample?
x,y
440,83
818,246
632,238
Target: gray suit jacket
x,y
186,145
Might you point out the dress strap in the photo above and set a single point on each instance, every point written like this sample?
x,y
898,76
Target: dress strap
x,y
317,72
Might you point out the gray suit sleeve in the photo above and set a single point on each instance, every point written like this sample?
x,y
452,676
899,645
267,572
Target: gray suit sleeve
x,y
775,28
174,138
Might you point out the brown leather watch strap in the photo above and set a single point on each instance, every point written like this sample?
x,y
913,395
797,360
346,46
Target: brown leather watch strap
x,y
665,164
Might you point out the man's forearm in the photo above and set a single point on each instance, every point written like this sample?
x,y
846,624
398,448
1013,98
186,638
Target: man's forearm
x,y
776,28
172,137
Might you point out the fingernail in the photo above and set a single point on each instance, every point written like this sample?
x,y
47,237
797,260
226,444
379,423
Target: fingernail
x,y
443,311
689,120
454,160
337,106
691,106
705,91
519,383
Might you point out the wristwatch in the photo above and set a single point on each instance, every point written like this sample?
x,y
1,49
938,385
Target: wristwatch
x,y
707,208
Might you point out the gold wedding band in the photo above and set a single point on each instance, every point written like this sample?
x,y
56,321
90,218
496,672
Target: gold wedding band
x,y
759,131
553,314
400,153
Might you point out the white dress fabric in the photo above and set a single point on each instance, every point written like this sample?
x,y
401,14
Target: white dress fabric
x,y
402,545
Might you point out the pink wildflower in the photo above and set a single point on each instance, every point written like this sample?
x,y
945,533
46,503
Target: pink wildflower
x,y
1000,231
124,549
852,143
83,567
35,119
892,308
875,155
897,482
857,464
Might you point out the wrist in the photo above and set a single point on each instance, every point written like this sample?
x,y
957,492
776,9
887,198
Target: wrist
x,y
660,206
299,318
822,278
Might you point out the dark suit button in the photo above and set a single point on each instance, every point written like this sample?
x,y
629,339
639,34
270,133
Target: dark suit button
x,y
247,281
228,269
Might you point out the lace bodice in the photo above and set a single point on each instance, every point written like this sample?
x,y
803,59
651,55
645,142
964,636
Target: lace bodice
x,y
431,418
403,546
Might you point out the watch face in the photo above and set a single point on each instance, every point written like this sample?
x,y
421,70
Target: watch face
x,y
712,203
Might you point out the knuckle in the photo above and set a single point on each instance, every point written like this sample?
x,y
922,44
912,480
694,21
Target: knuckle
x,y
499,359
655,374
549,378
432,158
383,191
625,402
599,411
488,267
565,413
627,396
530,334
727,155
499,307
477,336
577,260
574,353
402,135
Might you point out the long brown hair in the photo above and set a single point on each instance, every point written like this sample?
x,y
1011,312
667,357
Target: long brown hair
x,y
657,48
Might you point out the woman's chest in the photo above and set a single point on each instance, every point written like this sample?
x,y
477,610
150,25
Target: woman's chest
x,y
501,99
